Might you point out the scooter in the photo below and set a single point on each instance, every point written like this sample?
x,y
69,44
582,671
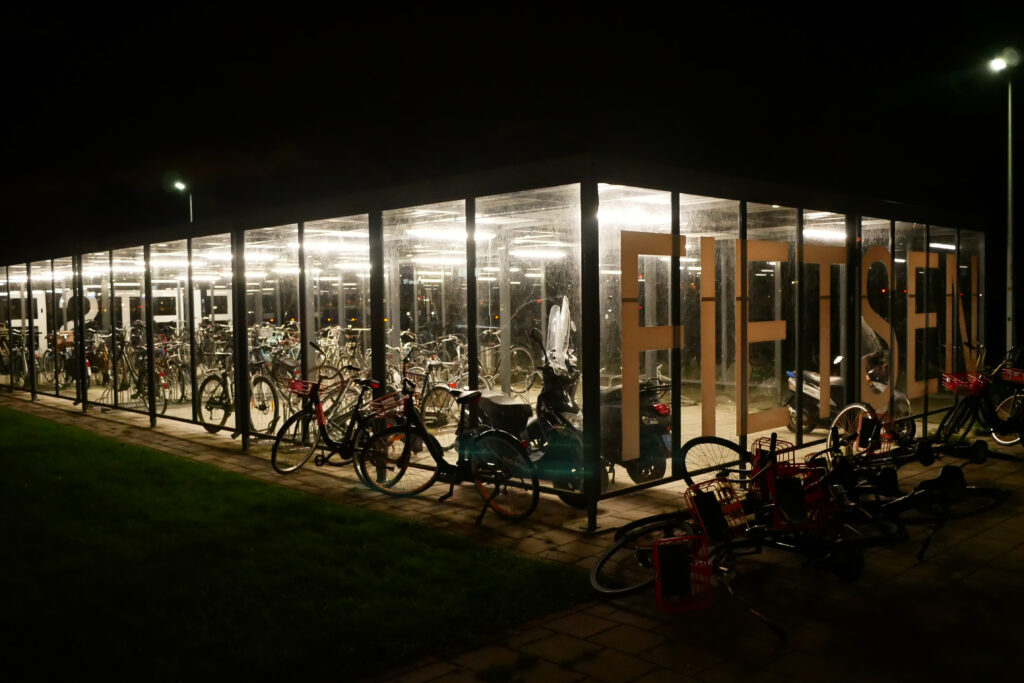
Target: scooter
x,y
655,430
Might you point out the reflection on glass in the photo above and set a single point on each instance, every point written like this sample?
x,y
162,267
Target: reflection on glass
x,y
908,312
5,329
528,271
272,318
969,311
636,332
168,262
211,308
770,333
42,332
64,318
338,275
21,312
943,341
825,315
99,326
708,279
128,308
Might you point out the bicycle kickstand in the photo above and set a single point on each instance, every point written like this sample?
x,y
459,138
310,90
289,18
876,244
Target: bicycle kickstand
x,y
487,504
451,492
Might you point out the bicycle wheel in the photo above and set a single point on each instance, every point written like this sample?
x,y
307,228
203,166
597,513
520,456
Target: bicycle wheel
x,y
955,419
705,456
440,415
397,462
504,475
522,368
1010,410
848,424
263,408
213,405
627,567
297,440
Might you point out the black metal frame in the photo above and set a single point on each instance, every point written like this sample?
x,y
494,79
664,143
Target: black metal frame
x,y
676,354
191,313
150,360
590,347
798,316
378,355
30,344
472,343
240,335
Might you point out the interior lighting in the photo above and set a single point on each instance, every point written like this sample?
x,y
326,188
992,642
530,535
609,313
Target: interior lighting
x,y
431,281
255,274
222,256
259,257
899,260
542,254
352,266
285,270
696,268
941,245
611,272
483,278
535,275
448,234
440,260
825,235
490,269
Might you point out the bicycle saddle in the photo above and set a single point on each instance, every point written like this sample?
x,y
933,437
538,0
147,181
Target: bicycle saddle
x,y
462,396
368,383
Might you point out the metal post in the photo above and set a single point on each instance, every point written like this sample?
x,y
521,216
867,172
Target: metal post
x,y
306,333
471,296
741,288
377,341
30,313
114,344
925,303
505,320
893,356
1011,336
798,294
675,283
241,350
591,345
851,285
84,378
191,314
150,361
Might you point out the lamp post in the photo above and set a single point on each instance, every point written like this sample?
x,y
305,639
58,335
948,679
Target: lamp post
x,y
182,187
1007,59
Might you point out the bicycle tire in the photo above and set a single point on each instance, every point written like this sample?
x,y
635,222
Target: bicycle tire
x,y
212,406
847,423
955,418
1010,409
504,475
708,455
627,567
397,462
263,406
296,441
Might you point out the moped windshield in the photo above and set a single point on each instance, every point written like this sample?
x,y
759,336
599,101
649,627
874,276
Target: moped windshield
x,y
558,335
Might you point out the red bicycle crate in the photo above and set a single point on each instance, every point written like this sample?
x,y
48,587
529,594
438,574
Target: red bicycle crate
x,y
301,387
683,573
1014,375
964,382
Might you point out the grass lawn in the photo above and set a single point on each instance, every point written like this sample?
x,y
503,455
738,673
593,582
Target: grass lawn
x,y
123,561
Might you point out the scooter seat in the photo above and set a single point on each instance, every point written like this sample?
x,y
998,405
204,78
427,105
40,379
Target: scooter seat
x,y
815,378
612,394
503,412
463,396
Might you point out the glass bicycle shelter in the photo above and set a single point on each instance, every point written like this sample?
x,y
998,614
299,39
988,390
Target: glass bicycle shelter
x,y
751,308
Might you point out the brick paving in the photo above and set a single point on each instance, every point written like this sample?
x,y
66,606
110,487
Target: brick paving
x,y
955,615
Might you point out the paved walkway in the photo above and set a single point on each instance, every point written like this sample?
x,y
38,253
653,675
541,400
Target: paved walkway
x,y
955,615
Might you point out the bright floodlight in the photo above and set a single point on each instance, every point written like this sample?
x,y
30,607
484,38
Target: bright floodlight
x,y
997,64
178,185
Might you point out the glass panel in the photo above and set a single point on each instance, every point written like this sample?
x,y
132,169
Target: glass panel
x,y
771,272
42,334
825,316
211,308
5,329
908,313
17,277
636,332
942,341
425,302
99,326
272,316
879,363
970,310
168,262
528,263
708,279
338,276
130,326
65,315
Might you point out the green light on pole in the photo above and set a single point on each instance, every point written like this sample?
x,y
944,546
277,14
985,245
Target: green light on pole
x,y
182,187
1006,59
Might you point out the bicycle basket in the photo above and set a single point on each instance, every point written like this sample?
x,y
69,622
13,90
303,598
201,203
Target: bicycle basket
x,y
683,573
964,382
784,452
715,505
1013,375
799,496
301,387
389,404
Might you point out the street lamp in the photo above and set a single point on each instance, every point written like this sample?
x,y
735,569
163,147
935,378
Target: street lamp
x,y
1007,59
182,187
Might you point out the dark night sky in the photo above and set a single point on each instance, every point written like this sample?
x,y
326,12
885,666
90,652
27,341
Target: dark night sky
x,y
261,109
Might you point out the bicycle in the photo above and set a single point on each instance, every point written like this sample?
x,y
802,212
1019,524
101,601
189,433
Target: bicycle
x,y
975,400
406,459
309,430
215,401
522,370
